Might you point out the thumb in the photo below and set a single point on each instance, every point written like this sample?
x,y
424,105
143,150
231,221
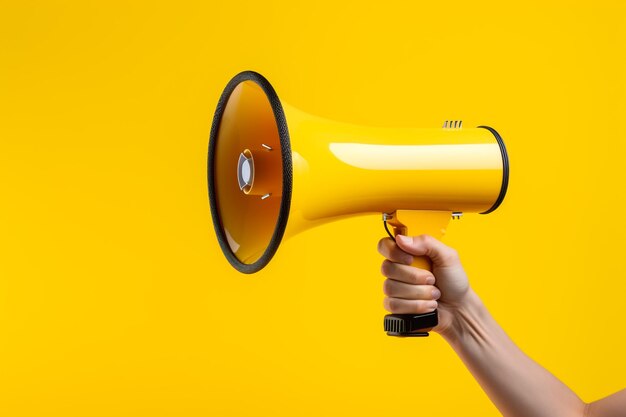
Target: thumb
x,y
426,245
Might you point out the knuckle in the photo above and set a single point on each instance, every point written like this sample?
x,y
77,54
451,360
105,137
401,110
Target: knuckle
x,y
421,277
394,305
385,267
415,276
381,244
451,255
387,287
427,238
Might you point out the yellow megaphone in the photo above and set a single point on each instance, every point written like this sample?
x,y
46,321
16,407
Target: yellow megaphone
x,y
274,171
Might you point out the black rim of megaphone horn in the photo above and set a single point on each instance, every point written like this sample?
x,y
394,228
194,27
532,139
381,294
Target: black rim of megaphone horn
x,y
505,170
285,148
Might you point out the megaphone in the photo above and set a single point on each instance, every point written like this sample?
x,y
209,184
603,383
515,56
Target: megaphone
x,y
274,171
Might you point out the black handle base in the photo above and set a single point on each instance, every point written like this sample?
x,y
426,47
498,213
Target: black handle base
x,y
409,325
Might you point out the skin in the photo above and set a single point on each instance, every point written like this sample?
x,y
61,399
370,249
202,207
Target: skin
x,y
518,386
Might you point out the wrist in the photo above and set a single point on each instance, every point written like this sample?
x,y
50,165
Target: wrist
x,y
467,317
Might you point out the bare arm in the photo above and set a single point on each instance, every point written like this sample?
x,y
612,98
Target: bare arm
x,y
518,386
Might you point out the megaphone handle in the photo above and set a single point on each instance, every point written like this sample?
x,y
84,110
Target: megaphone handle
x,y
409,325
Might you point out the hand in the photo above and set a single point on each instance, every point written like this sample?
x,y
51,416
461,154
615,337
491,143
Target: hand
x,y
413,290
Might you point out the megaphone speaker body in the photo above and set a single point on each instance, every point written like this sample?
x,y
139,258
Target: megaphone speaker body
x,y
275,171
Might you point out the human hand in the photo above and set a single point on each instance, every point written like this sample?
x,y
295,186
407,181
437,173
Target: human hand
x,y
414,290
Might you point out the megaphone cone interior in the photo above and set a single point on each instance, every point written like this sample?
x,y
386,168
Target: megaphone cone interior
x,y
274,171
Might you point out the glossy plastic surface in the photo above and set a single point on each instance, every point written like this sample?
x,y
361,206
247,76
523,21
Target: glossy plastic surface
x,y
342,169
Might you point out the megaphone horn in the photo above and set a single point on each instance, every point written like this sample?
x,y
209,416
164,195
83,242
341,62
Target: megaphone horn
x,y
274,171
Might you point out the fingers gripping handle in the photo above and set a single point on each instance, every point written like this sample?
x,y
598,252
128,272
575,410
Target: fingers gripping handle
x,y
409,325
412,325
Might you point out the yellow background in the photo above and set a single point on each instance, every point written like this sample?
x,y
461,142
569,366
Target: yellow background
x,y
115,299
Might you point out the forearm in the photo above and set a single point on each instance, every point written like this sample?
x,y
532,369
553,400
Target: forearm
x,y
518,386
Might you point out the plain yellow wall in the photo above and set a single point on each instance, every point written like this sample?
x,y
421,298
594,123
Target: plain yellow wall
x,y
115,299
